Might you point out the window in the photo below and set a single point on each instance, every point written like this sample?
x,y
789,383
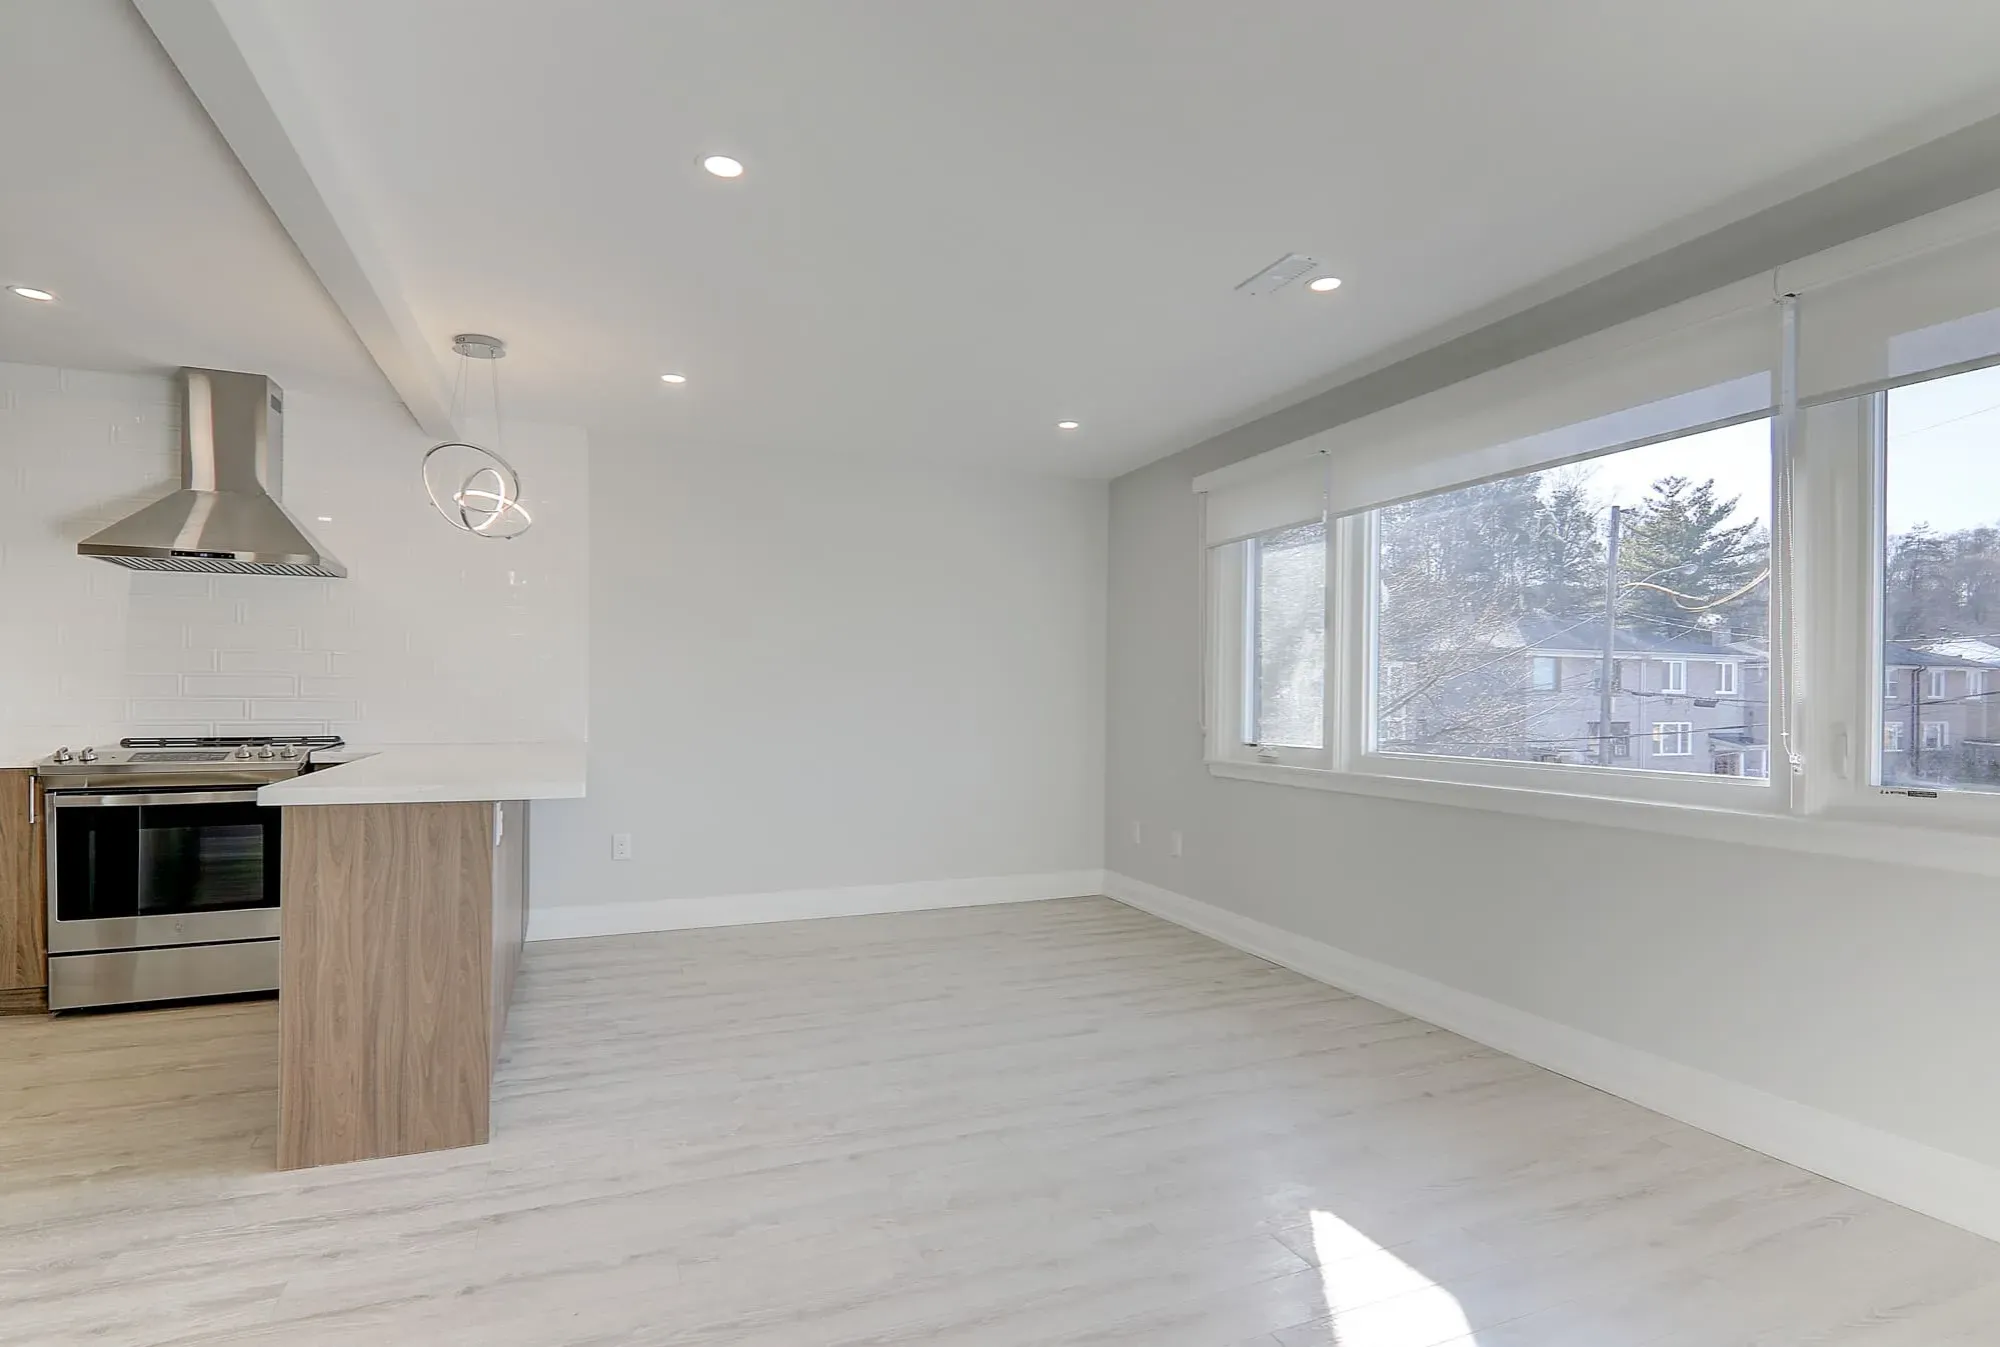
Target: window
x,y
1396,720
1286,654
1673,739
1518,569
1621,737
1479,595
1940,579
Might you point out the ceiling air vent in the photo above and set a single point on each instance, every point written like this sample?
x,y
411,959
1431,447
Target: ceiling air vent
x,y
1281,273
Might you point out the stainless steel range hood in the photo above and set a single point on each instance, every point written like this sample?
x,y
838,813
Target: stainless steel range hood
x,y
226,517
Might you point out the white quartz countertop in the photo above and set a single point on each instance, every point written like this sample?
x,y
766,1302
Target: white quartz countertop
x,y
431,773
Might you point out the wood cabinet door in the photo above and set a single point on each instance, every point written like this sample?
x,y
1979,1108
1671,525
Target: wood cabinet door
x,y
23,906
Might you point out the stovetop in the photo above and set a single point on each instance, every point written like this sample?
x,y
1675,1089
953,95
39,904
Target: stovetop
x,y
190,761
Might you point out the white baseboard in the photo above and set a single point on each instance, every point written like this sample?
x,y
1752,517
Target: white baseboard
x,y
1938,1183
679,914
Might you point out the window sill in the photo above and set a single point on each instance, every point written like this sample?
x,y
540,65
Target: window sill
x,y
1939,845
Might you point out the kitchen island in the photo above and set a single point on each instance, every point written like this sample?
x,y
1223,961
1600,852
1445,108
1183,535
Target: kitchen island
x,y
405,901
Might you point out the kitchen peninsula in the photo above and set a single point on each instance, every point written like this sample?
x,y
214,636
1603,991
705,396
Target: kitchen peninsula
x,y
405,906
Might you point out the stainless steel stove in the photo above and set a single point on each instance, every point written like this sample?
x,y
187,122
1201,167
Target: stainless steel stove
x,y
163,868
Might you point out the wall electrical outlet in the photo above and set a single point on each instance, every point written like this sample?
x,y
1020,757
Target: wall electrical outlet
x,y
1174,843
621,846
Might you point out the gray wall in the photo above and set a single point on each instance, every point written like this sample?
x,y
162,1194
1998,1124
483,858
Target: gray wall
x,y
816,675
1870,991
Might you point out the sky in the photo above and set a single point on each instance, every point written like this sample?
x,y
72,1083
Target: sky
x,y
1737,457
1943,459
1944,452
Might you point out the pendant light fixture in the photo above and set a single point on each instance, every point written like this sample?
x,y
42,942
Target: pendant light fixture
x,y
475,489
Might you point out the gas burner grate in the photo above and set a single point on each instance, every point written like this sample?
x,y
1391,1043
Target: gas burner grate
x,y
314,741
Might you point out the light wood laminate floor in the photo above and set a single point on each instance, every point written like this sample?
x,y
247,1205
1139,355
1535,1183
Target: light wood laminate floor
x,y
1053,1123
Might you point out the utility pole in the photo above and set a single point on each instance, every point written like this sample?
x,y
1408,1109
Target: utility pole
x,y
1610,661
1916,755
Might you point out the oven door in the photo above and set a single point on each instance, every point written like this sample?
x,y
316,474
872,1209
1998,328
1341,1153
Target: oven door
x,y
134,870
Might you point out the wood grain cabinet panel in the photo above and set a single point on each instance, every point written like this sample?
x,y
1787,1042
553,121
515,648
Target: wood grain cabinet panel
x,y
23,901
402,934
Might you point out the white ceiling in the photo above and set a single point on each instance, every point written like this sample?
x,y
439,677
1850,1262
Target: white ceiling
x,y
962,221
120,197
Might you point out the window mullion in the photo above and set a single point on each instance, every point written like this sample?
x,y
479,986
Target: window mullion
x,y
1349,563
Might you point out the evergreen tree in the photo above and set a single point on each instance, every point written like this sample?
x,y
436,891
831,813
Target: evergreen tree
x,y
1917,595
1681,537
1567,578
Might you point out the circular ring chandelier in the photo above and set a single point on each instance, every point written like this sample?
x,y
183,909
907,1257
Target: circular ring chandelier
x,y
472,487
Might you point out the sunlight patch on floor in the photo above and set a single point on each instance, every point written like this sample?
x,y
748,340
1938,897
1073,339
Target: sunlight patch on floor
x,y
1375,1299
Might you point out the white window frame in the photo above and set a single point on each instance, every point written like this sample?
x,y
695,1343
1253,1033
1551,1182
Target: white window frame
x,y
1824,792
1937,684
1726,678
1232,654
1892,736
1847,447
1357,762
1941,742
1674,676
1683,736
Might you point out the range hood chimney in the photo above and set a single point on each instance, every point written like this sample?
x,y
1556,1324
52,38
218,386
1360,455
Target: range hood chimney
x,y
225,518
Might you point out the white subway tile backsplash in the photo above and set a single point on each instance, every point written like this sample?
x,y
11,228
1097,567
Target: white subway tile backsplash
x,y
185,708
241,636
152,685
272,728
164,729
181,608
118,652
272,661
146,584
304,708
238,685
170,659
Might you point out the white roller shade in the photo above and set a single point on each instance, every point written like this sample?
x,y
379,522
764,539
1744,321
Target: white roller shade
x,y
1699,364
1272,496
1912,301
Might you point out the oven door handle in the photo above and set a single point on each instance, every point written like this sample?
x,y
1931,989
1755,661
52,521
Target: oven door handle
x,y
68,800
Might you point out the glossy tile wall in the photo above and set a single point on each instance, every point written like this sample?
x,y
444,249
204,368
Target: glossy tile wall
x,y
435,636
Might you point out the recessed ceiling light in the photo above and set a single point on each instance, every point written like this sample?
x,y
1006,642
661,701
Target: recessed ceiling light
x,y
1066,425
326,519
673,378
1324,284
722,166
30,292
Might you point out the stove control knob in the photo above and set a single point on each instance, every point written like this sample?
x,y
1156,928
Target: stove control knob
x,y
287,751
266,751
242,751
88,755
62,755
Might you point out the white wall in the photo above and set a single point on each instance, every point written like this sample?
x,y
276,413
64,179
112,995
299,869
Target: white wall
x,y
434,636
809,675
1869,991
